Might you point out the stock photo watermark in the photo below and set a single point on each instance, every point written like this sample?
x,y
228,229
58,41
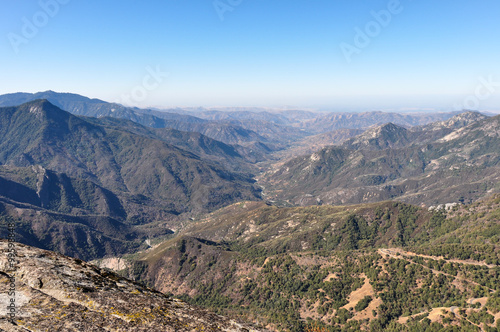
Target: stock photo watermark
x,y
31,26
363,36
486,88
10,303
151,81
224,6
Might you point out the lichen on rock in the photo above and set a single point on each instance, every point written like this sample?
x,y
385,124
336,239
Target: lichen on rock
x,y
59,293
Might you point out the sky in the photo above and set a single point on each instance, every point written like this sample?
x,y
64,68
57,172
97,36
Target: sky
x,y
346,55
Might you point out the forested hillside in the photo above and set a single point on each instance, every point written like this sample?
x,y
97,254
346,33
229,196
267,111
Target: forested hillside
x,y
383,266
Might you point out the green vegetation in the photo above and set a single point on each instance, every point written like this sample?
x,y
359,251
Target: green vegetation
x,y
92,188
493,303
363,303
390,161
298,268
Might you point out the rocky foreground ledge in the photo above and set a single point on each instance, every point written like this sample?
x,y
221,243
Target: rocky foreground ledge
x,y
58,293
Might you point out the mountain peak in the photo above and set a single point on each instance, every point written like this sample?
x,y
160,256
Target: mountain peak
x,y
391,127
43,110
40,103
388,135
382,130
458,121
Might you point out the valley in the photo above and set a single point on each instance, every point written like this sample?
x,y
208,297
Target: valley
x,y
289,220
406,263
249,166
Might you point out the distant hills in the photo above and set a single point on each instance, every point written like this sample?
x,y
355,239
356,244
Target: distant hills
x,y
442,162
275,129
332,121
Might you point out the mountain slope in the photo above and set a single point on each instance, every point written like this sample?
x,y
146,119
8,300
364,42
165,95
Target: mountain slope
x,y
379,267
46,189
60,293
233,157
463,165
81,236
89,188
38,133
80,105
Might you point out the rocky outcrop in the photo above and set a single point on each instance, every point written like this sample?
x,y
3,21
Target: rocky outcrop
x,y
55,292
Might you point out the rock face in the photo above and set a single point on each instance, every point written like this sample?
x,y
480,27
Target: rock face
x,y
55,292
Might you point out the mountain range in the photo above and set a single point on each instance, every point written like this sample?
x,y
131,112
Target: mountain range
x,y
332,121
237,132
59,163
292,220
446,162
379,267
278,129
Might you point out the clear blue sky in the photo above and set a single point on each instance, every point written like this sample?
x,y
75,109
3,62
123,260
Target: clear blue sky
x,y
430,54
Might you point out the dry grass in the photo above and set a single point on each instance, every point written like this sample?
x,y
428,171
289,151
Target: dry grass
x,y
360,293
315,329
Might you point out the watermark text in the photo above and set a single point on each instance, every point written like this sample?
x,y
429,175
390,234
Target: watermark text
x,y
31,26
363,36
151,81
224,6
484,90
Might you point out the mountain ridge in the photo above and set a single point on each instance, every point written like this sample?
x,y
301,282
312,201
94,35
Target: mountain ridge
x,y
73,170
465,159
301,268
